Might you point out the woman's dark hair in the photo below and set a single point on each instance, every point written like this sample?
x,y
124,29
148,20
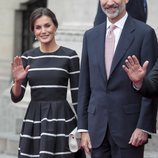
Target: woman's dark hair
x,y
37,13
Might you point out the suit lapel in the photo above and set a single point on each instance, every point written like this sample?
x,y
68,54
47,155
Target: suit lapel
x,y
124,43
100,47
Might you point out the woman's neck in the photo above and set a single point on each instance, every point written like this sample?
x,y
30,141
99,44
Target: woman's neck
x,y
46,48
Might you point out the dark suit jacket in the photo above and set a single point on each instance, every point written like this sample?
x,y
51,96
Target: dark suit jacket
x,y
135,8
114,102
150,83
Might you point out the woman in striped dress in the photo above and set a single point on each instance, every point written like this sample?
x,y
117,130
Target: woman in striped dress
x,y
47,69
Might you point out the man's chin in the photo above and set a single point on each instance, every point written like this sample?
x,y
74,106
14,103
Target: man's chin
x,y
111,16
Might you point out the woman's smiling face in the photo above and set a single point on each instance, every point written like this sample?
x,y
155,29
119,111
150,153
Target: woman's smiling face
x,y
44,29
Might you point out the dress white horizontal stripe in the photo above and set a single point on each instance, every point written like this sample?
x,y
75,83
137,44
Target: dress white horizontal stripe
x,y
28,136
48,86
75,56
23,154
75,72
43,134
74,89
56,120
49,56
46,69
74,103
59,153
31,121
49,120
54,135
46,152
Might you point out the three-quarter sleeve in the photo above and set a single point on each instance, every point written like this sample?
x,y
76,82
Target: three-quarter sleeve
x,y
23,85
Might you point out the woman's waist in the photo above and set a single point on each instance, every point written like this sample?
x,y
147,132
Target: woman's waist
x,y
48,97
63,100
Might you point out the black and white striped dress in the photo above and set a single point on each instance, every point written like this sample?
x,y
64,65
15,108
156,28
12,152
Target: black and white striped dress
x,y
49,118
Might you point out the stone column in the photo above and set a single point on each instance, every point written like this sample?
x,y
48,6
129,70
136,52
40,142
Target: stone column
x,y
74,17
152,14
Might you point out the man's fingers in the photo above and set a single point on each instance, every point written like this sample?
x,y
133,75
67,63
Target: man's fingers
x,y
86,143
135,60
131,139
128,64
138,138
125,69
86,148
130,60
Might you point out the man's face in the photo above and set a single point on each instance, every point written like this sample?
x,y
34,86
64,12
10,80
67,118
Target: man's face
x,y
114,9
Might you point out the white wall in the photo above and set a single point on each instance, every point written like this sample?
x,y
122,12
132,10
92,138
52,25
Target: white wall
x,y
74,12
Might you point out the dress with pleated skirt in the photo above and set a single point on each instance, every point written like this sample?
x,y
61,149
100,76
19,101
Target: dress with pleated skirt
x,y
49,118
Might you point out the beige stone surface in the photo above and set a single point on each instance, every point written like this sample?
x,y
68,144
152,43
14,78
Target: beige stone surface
x,y
75,16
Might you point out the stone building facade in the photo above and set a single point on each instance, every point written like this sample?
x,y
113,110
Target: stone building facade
x,y
15,36
74,16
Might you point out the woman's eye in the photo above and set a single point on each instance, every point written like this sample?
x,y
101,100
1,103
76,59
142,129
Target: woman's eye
x,y
47,25
37,27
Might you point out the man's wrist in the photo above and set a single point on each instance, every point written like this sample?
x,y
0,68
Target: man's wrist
x,y
82,130
137,85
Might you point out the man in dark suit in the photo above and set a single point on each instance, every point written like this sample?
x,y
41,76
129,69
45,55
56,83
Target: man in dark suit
x,y
112,117
135,8
146,85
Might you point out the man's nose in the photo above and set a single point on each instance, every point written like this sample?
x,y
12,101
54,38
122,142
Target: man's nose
x,y
110,2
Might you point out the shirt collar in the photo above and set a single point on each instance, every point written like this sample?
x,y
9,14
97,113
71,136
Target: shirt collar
x,y
120,23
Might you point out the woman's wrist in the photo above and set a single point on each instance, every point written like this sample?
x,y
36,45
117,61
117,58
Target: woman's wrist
x,y
17,88
18,82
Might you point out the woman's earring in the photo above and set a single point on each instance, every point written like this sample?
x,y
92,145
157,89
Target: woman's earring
x,y
35,38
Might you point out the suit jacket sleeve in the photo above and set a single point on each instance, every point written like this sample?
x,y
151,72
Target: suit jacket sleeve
x,y
150,83
147,116
84,89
